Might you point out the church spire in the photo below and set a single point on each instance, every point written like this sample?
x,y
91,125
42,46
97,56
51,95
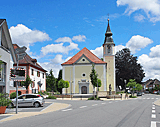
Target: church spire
x,y
108,34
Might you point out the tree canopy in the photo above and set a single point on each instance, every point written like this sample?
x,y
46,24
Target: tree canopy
x,y
127,67
93,77
51,82
26,83
134,86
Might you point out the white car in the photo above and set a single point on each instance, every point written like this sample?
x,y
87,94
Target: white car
x,y
35,100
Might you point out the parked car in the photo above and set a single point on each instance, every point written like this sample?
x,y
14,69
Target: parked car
x,y
139,93
35,100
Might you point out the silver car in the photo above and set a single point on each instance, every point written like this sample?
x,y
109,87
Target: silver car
x,y
35,100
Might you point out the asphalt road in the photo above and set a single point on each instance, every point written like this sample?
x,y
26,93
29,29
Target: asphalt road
x,y
126,113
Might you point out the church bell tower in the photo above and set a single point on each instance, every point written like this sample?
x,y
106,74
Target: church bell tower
x,y
109,57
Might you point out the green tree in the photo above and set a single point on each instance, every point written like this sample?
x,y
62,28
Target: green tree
x,y
127,68
66,85
139,87
26,83
99,83
51,82
93,77
58,79
61,84
132,84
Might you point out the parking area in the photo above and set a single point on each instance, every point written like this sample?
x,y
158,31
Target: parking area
x,y
28,109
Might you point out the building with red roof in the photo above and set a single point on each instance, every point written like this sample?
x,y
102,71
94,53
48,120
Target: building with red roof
x,y
77,69
36,73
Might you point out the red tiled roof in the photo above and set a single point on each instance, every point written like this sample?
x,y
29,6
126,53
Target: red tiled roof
x,y
27,59
88,54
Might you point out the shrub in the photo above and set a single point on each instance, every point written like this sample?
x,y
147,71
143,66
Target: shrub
x,y
92,98
4,100
13,95
132,96
51,97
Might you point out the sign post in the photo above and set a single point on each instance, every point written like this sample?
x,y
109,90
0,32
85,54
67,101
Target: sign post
x,y
20,55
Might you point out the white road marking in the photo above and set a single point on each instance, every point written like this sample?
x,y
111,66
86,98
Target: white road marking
x,y
153,124
94,105
103,103
153,107
152,98
83,107
67,110
153,111
153,116
156,98
148,98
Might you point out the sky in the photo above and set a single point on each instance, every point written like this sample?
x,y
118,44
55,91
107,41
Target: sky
x,y
55,30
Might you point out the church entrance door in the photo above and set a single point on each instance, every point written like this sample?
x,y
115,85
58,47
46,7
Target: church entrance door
x,y
84,90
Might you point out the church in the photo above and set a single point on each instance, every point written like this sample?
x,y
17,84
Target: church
x,y
77,69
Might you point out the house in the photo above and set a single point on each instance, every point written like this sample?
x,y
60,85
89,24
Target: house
x,y
36,73
77,69
150,84
7,56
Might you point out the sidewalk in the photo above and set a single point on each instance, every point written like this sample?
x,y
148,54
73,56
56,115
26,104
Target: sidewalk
x,y
51,108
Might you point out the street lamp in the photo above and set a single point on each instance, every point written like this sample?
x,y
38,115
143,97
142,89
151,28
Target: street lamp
x,y
125,81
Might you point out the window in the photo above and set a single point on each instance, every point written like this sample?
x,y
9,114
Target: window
x,y
32,72
38,74
3,72
83,74
83,59
43,75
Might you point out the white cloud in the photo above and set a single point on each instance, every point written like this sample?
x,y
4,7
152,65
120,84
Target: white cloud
x,y
139,18
98,52
23,36
59,48
119,47
150,7
57,59
155,51
151,66
50,65
64,39
79,38
137,42
54,64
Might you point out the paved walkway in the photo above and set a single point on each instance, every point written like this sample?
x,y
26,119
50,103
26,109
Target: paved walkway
x,y
51,108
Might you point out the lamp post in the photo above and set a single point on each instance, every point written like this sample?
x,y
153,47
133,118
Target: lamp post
x,y
20,55
125,81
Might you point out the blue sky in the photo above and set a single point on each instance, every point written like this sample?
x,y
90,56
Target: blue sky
x,y
55,30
